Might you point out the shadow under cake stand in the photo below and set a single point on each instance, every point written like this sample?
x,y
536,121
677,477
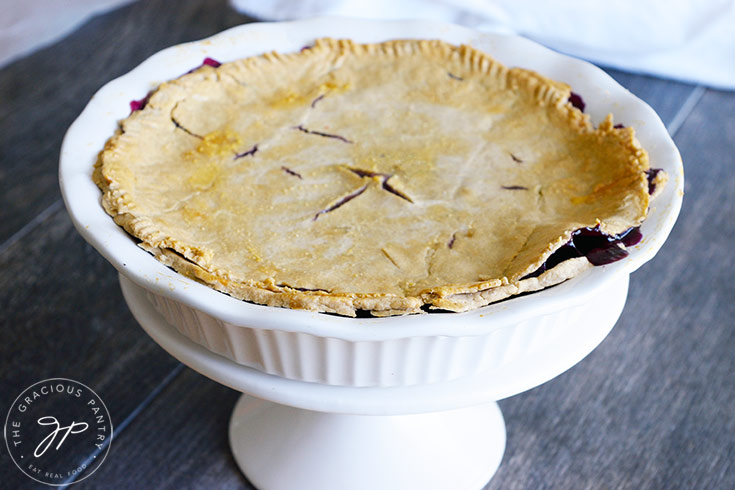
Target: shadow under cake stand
x,y
292,434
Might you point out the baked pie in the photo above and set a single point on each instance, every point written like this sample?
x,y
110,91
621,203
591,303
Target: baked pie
x,y
388,178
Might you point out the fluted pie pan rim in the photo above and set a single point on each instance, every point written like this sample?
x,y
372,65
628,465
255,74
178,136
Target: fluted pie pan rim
x,y
601,93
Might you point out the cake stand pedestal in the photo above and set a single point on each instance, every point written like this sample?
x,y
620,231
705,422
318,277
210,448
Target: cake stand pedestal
x,y
282,447
288,434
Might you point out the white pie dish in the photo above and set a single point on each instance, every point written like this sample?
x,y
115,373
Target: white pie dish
x,y
363,352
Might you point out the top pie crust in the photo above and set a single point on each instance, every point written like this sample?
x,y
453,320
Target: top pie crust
x,y
382,177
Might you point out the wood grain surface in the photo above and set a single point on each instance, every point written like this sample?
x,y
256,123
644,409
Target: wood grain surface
x,y
652,407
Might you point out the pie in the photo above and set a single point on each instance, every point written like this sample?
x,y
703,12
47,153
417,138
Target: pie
x,y
388,179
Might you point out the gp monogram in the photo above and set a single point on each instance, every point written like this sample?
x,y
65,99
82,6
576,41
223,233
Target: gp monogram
x,y
58,431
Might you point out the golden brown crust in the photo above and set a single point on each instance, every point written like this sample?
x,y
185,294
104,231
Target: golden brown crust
x,y
380,177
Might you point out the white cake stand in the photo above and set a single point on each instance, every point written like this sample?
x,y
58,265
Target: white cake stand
x,y
382,403
288,434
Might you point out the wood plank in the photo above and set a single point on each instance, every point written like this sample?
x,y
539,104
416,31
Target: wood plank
x,y
180,441
63,315
43,93
652,406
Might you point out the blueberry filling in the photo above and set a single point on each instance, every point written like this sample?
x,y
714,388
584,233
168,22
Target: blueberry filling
x,y
313,102
516,159
248,153
136,105
606,255
292,172
565,252
651,175
455,77
576,100
341,202
433,310
393,190
208,62
211,62
631,237
384,182
324,135
514,188
599,248
301,289
187,131
367,173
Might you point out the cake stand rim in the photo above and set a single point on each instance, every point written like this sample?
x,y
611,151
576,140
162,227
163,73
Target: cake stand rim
x,y
557,358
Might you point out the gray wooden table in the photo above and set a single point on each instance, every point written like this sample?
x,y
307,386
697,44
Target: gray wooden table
x,y
652,407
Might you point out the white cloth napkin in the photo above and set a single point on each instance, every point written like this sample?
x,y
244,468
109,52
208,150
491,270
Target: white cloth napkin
x,y
693,41
688,40
31,24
